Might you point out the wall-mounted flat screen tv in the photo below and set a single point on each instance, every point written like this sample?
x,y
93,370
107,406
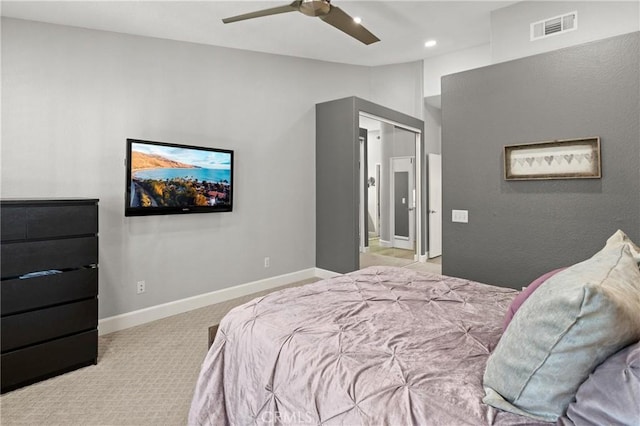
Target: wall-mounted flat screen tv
x,y
168,178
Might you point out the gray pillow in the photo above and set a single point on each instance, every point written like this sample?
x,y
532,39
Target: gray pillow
x,y
611,395
569,325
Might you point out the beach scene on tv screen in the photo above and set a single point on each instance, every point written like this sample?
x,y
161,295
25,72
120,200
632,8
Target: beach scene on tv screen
x,y
167,176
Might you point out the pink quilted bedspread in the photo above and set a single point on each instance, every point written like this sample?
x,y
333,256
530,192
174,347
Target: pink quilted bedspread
x,y
380,346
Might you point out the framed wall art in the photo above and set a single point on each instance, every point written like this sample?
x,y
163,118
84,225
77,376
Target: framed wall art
x,y
560,159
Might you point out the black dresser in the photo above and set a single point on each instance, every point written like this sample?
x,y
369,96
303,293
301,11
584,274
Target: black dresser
x,y
49,299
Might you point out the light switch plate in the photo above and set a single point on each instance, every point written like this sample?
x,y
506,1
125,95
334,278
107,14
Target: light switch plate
x,y
461,216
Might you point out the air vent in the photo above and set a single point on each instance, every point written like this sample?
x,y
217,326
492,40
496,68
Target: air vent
x,y
554,26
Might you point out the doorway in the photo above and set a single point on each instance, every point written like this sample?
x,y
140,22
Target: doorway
x,y
435,205
338,181
389,196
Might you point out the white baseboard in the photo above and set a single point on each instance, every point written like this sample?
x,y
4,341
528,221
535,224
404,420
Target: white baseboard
x,y
153,313
385,243
423,258
324,274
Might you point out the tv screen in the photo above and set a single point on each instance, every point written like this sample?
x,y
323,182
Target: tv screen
x,y
168,178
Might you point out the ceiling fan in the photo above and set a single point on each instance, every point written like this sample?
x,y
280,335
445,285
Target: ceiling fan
x,y
322,9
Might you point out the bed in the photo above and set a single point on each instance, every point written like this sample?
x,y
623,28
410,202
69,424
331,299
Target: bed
x,y
394,346
382,345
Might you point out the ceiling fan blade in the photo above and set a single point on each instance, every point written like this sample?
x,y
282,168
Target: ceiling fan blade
x,y
345,23
293,7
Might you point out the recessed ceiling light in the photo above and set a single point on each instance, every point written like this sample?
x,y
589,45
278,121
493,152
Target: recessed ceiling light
x,y
357,19
430,43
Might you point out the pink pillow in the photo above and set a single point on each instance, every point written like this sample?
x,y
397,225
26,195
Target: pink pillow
x,y
520,298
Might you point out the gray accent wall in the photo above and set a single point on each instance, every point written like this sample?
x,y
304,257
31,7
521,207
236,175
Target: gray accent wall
x,y
337,155
518,230
337,178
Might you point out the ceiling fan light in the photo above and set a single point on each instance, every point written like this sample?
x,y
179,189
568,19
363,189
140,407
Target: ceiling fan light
x,y
430,43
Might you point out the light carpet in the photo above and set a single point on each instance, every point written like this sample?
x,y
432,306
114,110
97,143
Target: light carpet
x,y
145,375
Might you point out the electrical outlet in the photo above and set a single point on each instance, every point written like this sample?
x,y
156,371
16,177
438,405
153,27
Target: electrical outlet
x,y
141,287
267,262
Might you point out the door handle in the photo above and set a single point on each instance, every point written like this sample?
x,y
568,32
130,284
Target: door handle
x,y
432,211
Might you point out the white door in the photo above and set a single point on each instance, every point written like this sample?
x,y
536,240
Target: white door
x,y
403,203
362,208
377,210
435,205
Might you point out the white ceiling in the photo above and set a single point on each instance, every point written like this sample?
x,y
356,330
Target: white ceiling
x,y
402,26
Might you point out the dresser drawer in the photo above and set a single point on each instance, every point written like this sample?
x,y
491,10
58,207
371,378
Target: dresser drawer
x,y
33,293
42,361
48,288
13,223
58,221
45,324
48,221
24,257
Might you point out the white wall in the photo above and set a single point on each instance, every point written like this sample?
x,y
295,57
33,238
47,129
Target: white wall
x,y
71,97
510,26
432,129
391,88
462,60
510,34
